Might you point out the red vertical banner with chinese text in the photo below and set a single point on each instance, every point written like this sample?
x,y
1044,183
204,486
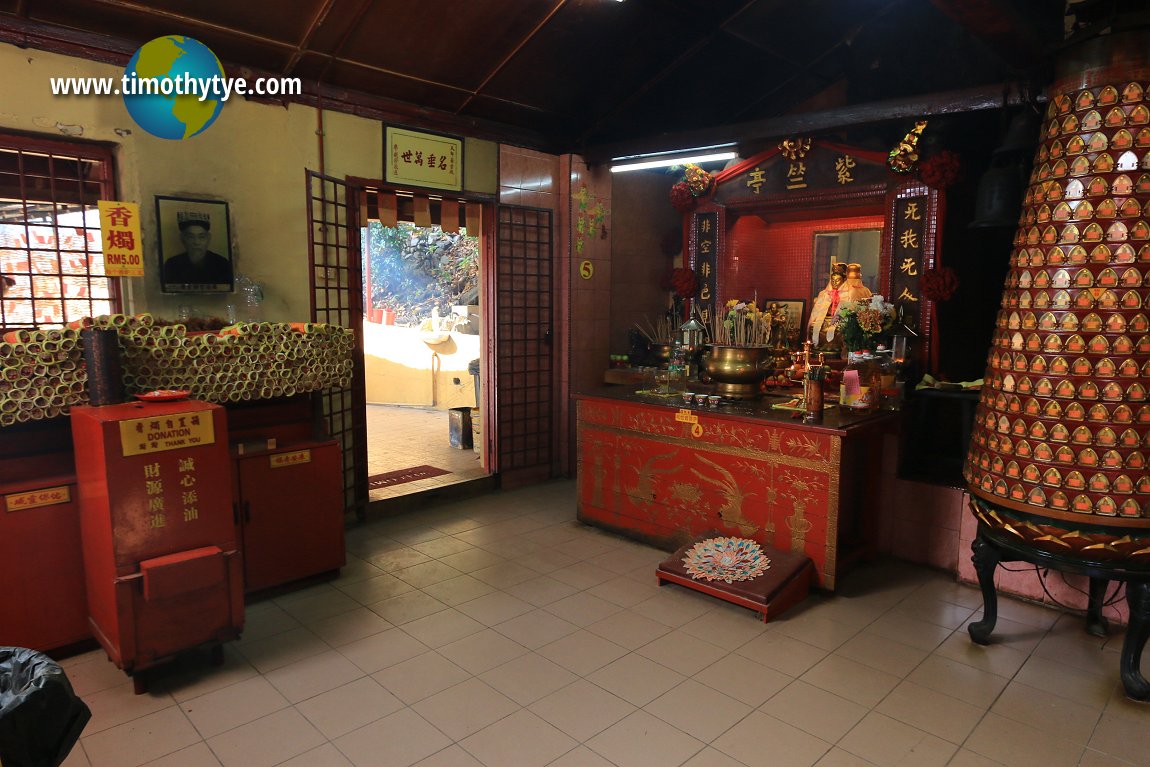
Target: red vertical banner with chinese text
x,y
123,248
908,260
706,249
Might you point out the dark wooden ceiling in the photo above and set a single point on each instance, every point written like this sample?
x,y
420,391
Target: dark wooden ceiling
x,y
576,75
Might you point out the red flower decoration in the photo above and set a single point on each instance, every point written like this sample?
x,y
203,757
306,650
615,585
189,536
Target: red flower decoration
x,y
940,170
681,198
939,284
684,282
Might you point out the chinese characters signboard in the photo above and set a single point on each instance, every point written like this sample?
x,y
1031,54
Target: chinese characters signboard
x,y
907,254
706,248
422,159
33,499
172,432
294,458
120,227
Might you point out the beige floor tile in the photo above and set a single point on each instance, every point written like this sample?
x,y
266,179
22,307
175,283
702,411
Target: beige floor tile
x,y
265,619
224,709
782,653
675,606
629,630
120,704
318,603
582,609
851,680
77,758
442,628
398,740
482,651
837,757
636,679
535,628
930,711
494,608
643,740
1007,633
421,676
1054,714
141,740
198,755
581,756
312,676
376,588
427,574
1019,745
958,680
280,650
91,672
700,711
995,659
349,626
743,679
528,678
504,574
581,575
452,756
456,591
548,560
882,740
815,711
882,653
1090,758
1077,649
625,592
267,741
407,607
541,591
967,758
1123,737
711,757
763,741
682,652
582,652
947,590
470,560
901,627
940,613
381,650
727,626
349,707
1019,611
442,547
326,755
398,559
521,739
1059,679
466,708
815,629
581,709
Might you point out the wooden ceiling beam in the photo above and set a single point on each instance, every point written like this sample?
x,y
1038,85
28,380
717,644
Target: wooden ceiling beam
x,y
916,107
317,20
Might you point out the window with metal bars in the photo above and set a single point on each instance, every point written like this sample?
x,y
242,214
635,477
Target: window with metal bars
x,y
51,253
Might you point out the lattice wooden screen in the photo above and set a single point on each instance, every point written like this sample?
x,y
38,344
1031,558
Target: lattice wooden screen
x,y
523,348
336,298
50,232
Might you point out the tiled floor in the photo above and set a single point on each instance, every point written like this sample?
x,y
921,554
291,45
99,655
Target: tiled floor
x,y
400,437
499,632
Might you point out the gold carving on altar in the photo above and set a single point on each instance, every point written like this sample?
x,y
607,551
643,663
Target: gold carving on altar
x,y
644,490
795,150
731,510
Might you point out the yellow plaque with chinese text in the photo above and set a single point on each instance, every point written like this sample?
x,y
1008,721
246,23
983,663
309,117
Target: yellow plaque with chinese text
x,y
155,435
123,247
422,159
294,458
33,499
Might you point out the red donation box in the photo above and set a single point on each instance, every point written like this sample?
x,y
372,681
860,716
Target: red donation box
x,y
161,556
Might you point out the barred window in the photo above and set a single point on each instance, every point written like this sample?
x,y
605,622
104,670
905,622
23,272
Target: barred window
x,y
51,254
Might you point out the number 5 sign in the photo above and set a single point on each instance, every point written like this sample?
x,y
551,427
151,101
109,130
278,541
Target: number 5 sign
x,y
586,270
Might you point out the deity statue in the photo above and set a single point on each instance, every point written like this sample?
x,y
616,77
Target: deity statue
x,y
845,284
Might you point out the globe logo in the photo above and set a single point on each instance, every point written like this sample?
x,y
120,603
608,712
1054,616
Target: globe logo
x,y
166,107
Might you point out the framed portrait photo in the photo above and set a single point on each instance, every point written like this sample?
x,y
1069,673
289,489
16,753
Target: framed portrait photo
x,y
195,245
791,308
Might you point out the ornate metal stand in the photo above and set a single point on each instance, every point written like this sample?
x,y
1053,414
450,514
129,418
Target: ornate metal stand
x,y
989,550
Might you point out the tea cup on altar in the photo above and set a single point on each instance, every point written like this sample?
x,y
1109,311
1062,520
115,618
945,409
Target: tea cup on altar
x,y
714,400
688,398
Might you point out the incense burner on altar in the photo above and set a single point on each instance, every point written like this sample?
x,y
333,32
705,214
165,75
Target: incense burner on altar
x,y
737,371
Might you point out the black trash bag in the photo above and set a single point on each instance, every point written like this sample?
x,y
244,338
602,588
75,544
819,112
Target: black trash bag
x,y
40,717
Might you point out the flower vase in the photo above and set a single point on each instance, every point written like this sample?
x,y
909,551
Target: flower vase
x,y
737,371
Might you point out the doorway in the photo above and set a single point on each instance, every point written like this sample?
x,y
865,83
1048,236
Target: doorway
x,y
422,343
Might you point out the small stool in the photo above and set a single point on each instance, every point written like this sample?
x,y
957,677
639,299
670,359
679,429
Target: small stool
x,y
785,583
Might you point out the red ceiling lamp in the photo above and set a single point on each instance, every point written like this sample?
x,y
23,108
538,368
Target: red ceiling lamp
x,y
1059,459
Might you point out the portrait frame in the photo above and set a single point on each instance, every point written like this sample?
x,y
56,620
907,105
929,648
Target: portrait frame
x,y
170,213
796,312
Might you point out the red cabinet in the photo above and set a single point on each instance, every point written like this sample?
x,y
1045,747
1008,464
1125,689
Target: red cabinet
x,y
41,566
290,503
161,559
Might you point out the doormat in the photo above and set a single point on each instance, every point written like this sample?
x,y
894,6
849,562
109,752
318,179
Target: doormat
x,y
404,475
